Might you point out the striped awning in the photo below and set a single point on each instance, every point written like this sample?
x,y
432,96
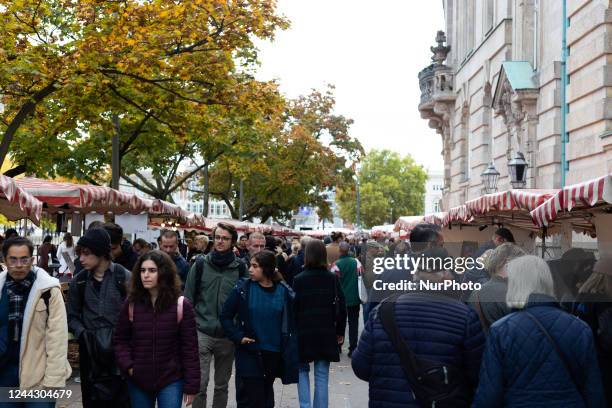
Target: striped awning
x,y
16,203
584,195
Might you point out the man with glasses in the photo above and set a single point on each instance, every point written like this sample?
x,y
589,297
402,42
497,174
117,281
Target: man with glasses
x,y
95,297
32,309
209,282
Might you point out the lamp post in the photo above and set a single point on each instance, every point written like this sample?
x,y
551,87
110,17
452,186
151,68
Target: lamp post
x,y
517,168
489,178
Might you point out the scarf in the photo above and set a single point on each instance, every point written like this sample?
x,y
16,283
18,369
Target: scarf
x,y
222,259
18,292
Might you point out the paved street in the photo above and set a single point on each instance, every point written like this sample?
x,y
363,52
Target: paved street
x,y
345,389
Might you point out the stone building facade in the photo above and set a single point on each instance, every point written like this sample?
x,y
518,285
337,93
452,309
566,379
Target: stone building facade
x,y
494,89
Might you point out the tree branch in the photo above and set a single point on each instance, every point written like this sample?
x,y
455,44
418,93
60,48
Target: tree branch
x,y
26,110
124,149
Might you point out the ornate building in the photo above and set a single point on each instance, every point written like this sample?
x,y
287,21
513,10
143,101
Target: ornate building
x,y
494,92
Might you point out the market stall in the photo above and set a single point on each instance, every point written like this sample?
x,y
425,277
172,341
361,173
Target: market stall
x,y
16,203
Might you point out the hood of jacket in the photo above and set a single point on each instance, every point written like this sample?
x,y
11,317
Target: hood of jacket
x,y
42,282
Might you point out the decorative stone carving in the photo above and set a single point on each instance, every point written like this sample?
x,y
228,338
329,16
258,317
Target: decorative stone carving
x,y
517,104
438,98
440,52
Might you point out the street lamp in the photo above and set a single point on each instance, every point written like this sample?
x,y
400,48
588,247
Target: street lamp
x,y
489,178
517,167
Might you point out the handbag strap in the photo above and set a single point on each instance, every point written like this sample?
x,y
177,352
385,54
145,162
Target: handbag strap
x,y
408,360
483,319
558,351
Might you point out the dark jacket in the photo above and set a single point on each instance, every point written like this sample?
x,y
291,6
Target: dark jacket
x,y
249,362
295,266
128,257
182,267
158,348
317,321
215,286
490,301
436,327
596,311
100,310
521,368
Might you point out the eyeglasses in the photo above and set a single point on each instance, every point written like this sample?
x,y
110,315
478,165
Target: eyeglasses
x,y
12,261
222,238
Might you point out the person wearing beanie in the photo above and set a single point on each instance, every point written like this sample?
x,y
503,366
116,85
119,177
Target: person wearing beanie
x,y
95,296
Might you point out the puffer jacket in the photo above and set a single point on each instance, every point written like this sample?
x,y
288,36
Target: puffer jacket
x,y
521,368
435,327
43,360
158,348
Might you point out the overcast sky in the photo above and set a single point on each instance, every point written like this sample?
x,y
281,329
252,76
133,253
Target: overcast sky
x,y
372,52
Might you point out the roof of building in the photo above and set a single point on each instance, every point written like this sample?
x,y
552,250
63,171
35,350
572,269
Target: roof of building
x,y
519,74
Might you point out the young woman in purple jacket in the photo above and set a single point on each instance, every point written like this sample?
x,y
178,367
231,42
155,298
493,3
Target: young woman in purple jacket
x,y
155,341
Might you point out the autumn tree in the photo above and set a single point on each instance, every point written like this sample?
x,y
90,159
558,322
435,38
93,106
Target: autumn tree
x,y
390,186
307,153
71,66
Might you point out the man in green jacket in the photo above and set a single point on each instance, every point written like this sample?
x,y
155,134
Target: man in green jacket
x,y
209,282
346,268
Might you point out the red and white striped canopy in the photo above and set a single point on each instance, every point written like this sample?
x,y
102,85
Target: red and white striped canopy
x,y
582,195
16,203
62,196
508,200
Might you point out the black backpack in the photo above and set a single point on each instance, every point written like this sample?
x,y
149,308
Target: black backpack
x,y
433,384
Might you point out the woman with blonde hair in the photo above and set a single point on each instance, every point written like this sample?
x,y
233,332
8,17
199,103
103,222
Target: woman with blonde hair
x,y
539,355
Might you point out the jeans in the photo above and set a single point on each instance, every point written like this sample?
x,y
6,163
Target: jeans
x,y
352,312
171,396
366,310
321,378
222,350
9,377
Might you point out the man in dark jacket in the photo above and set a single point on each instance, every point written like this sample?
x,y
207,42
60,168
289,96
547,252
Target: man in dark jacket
x,y
434,325
121,249
208,285
168,242
95,298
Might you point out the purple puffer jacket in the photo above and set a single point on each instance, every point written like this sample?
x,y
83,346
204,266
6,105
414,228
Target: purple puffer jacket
x,y
158,349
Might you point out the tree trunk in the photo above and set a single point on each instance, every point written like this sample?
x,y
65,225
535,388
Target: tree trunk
x,y
205,191
115,154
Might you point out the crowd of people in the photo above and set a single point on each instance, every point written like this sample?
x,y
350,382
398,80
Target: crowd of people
x,y
151,322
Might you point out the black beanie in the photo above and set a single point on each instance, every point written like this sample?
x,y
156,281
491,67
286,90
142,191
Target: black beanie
x,y
97,241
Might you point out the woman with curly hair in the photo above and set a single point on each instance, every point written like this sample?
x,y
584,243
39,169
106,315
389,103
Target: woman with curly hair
x,y
155,341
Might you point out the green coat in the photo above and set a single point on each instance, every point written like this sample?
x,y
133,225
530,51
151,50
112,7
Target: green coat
x,y
348,279
215,287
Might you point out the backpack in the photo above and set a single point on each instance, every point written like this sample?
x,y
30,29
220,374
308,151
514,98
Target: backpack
x,y
433,384
242,272
179,310
120,278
